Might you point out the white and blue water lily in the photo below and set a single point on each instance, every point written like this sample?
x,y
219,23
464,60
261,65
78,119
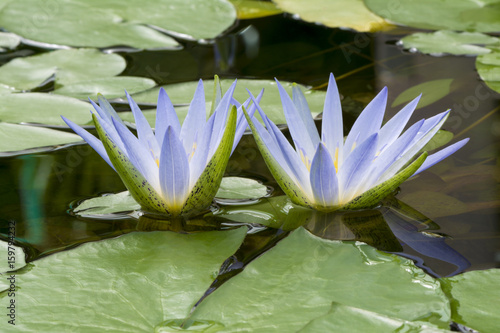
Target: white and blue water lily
x,y
175,170
329,172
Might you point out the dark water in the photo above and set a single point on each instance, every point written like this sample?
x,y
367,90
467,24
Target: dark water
x,y
443,235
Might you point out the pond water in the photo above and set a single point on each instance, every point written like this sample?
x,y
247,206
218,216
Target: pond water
x,y
455,204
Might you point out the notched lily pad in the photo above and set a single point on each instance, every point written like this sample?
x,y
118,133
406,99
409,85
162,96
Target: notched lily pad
x,y
450,42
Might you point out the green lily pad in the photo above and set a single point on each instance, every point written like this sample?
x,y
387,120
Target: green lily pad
x,y
15,137
9,40
182,93
107,204
109,22
238,188
43,109
297,280
342,317
13,256
68,66
460,15
111,87
432,91
475,298
250,9
488,67
450,42
343,13
133,283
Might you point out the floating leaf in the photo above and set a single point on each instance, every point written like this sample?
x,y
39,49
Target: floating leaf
x,y
107,204
43,109
488,67
13,256
439,139
250,9
435,204
461,15
133,283
432,91
9,40
474,299
239,188
451,42
20,137
109,23
182,93
67,66
342,318
111,87
342,13
297,280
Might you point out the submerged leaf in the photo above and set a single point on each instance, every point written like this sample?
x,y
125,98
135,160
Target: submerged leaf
x,y
432,91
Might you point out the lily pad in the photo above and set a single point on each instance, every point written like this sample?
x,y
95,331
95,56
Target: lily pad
x,y
432,91
239,188
67,66
439,139
15,137
488,67
460,15
475,298
297,280
43,109
182,93
110,23
133,283
9,40
13,256
342,317
250,9
450,42
343,13
435,204
111,87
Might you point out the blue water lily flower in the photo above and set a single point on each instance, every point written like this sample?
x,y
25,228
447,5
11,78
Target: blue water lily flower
x,y
175,170
329,172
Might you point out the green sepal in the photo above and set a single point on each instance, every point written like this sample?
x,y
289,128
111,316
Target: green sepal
x,y
207,185
217,95
136,184
374,195
284,181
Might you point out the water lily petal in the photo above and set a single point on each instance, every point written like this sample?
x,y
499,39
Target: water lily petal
x,y
221,113
393,128
208,183
324,182
415,147
165,117
353,172
107,109
332,128
195,118
144,131
391,154
282,177
138,155
441,155
174,172
299,100
295,123
241,122
368,122
138,186
373,196
217,95
200,157
95,143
